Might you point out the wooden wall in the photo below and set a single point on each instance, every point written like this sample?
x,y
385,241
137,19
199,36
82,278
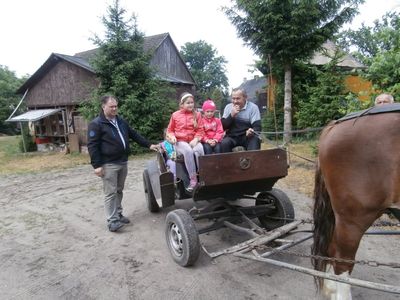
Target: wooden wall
x,y
64,84
168,61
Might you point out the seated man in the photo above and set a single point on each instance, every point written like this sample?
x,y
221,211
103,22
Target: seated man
x,y
241,121
384,99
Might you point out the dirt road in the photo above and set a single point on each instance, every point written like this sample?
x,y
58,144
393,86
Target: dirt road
x,y
55,245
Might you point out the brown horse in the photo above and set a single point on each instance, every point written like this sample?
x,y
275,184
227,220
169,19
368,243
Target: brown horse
x,y
357,179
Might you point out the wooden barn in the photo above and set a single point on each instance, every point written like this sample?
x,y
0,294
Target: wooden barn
x,y
55,91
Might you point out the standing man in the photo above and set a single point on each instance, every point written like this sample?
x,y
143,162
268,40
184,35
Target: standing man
x,y
108,145
241,121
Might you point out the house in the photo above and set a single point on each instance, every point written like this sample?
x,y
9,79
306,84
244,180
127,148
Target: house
x,y
261,92
55,91
256,90
354,83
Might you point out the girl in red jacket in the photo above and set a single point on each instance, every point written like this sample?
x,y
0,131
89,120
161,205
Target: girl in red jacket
x,y
185,130
213,131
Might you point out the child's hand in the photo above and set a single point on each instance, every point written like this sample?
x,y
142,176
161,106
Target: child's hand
x,y
193,142
211,142
171,139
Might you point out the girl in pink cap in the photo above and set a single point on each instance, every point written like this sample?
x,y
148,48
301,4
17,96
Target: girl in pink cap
x,y
185,131
213,131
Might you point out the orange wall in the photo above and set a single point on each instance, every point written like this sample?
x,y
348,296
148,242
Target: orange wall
x,y
353,83
359,86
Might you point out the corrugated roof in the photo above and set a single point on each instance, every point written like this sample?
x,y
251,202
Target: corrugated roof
x,y
34,115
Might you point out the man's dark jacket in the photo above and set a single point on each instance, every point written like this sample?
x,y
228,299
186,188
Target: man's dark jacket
x,y
104,142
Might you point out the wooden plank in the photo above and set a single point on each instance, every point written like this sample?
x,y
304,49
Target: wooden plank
x,y
242,166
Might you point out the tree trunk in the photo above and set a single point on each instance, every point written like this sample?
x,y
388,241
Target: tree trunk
x,y
287,125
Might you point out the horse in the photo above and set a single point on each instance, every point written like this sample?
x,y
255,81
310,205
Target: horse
x,y
357,179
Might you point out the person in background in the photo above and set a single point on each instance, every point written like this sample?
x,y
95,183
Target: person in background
x,y
384,99
213,131
108,146
242,122
185,131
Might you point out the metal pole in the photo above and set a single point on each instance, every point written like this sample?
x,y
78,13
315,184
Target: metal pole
x,y
348,280
23,97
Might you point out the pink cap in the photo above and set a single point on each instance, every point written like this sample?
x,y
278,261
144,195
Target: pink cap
x,y
209,105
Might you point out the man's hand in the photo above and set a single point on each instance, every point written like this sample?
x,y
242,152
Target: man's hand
x,y
235,110
249,132
155,147
99,172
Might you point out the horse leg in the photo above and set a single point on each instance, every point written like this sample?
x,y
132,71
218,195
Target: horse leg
x,y
335,290
344,245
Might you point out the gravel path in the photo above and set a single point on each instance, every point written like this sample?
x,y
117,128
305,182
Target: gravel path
x,y
55,245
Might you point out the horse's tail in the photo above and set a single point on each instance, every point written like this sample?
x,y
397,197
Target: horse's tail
x,y
324,223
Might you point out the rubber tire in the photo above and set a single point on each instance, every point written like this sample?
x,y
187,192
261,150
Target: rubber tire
x,y
182,237
151,201
283,209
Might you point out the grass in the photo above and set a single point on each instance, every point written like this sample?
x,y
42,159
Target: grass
x,y
301,159
13,161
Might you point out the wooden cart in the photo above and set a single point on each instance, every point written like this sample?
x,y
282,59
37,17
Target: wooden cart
x,y
223,180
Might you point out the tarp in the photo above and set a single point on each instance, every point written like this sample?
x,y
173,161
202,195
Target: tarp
x,y
34,115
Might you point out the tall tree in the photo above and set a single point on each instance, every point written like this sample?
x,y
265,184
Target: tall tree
x,y
123,69
9,83
289,30
378,47
207,68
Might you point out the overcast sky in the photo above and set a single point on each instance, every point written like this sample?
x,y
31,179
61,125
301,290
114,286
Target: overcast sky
x,y
30,30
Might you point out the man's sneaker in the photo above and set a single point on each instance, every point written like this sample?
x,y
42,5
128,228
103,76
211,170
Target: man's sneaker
x,y
114,226
123,219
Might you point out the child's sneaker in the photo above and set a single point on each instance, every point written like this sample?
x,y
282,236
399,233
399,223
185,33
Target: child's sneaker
x,y
192,184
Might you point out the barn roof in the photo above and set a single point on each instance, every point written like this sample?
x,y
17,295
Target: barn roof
x,y
81,59
150,43
53,59
329,48
253,87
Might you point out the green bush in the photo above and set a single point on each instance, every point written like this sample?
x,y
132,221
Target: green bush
x,y
26,138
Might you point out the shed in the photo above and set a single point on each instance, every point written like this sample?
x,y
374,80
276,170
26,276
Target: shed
x,y
63,82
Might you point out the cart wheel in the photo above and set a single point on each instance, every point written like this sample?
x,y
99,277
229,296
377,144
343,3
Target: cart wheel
x,y
182,237
152,204
283,212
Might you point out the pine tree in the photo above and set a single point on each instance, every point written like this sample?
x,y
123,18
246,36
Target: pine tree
x,y
123,70
289,31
